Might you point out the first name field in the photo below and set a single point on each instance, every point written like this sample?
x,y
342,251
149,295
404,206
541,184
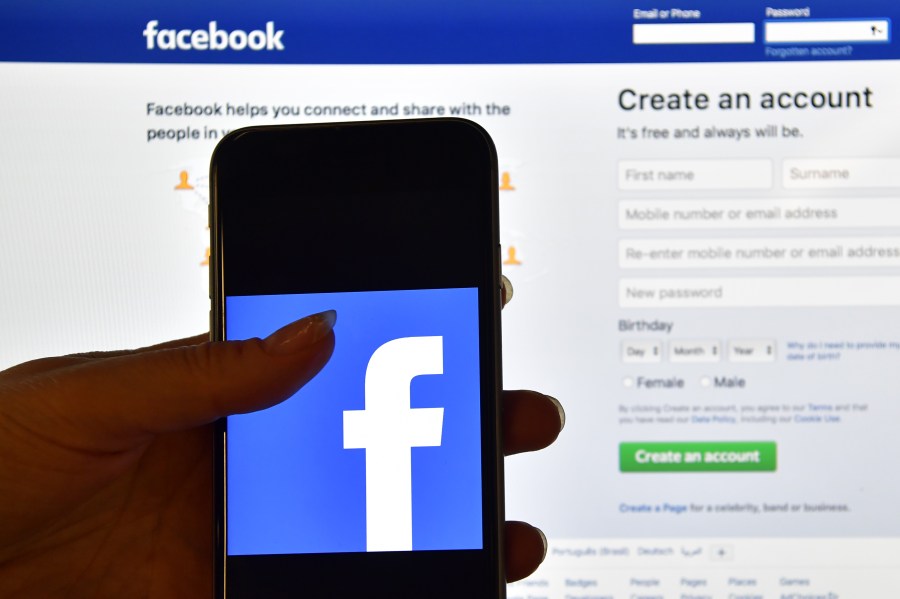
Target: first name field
x,y
640,175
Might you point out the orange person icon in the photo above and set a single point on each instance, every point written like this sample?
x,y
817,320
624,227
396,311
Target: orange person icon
x,y
183,181
511,259
206,259
505,184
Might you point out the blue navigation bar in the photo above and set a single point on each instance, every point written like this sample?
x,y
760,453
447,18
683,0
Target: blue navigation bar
x,y
445,31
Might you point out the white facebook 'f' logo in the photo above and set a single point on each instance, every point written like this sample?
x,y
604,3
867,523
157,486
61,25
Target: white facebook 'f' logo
x,y
387,429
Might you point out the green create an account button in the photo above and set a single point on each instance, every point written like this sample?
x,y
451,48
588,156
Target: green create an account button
x,y
698,456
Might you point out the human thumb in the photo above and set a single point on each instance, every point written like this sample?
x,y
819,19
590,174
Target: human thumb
x,y
114,404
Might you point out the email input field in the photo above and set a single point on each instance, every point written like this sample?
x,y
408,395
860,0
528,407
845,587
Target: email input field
x,y
758,292
806,213
693,33
651,175
760,253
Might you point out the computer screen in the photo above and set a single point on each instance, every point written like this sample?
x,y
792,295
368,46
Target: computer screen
x,y
700,214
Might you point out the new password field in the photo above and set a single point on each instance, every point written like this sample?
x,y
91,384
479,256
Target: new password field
x,y
751,292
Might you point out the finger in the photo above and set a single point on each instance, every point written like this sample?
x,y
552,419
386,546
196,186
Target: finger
x,y
506,291
195,340
120,402
531,421
43,365
526,548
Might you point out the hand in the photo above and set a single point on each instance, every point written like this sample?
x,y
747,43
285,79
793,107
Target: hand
x,y
106,483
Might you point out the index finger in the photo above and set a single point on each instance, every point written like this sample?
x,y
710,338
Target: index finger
x,y
45,365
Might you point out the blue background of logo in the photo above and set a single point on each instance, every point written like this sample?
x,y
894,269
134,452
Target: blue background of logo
x,y
293,488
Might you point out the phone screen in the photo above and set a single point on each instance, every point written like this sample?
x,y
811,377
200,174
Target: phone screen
x,y
381,451
383,471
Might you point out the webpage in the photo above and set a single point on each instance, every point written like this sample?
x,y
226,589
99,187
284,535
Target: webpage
x,y
701,226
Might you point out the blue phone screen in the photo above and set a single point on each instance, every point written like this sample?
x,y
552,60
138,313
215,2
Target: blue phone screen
x,y
381,451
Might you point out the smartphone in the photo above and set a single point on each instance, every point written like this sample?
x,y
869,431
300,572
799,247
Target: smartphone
x,y
394,225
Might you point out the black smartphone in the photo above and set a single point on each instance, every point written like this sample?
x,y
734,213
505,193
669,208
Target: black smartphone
x,y
383,476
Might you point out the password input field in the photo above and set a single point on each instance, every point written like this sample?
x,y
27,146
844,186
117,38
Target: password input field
x,y
746,292
828,31
694,33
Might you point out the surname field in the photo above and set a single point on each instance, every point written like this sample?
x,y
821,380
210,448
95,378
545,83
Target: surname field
x,y
841,173
650,175
759,213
